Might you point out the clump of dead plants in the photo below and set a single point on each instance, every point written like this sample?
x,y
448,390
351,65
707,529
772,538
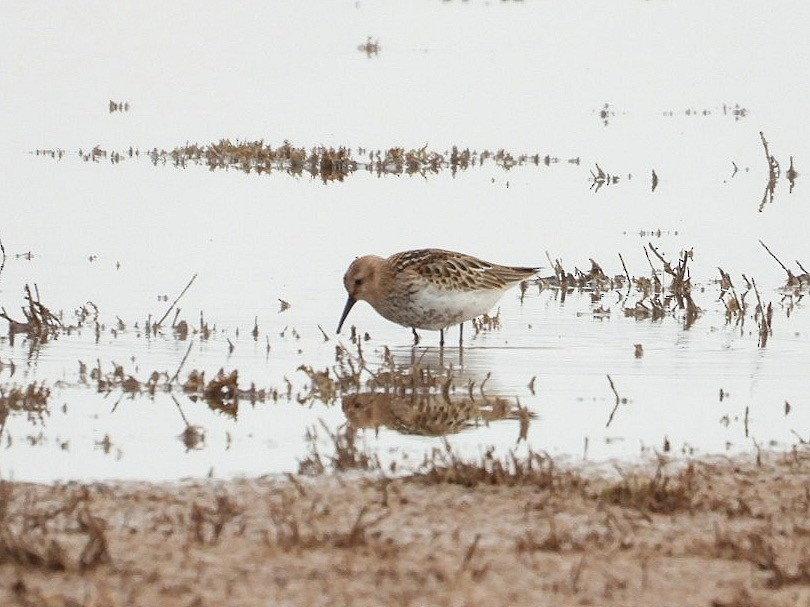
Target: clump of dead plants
x,y
371,47
347,453
535,469
295,519
658,302
767,552
40,323
327,163
794,284
487,322
31,400
207,523
221,393
655,300
774,173
659,493
594,280
33,533
601,178
738,308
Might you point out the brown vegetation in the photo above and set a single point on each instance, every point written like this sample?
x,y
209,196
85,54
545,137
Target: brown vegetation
x,y
40,323
329,164
721,533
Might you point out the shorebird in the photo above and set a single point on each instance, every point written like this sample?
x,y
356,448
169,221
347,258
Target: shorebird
x,y
429,289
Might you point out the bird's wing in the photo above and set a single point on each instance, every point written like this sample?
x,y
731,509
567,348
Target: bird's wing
x,y
457,271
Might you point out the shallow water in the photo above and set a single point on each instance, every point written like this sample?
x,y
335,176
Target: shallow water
x,y
529,78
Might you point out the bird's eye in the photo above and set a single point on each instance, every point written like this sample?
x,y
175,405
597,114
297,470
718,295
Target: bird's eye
x,y
358,282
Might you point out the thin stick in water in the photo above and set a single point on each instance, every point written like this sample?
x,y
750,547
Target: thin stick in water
x,y
618,400
775,257
180,409
3,251
182,362
626,273
171,307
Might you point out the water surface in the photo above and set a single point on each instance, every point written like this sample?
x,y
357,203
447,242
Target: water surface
x,y
684,90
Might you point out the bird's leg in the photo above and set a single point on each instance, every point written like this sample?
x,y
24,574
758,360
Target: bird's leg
x,y
441,338
461,335
415,337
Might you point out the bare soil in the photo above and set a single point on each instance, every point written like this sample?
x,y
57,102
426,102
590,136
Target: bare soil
x,y
710,533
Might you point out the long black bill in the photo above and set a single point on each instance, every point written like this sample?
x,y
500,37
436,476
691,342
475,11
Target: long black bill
x,y
349,303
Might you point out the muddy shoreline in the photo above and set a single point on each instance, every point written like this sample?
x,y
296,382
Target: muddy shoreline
x,y
720,532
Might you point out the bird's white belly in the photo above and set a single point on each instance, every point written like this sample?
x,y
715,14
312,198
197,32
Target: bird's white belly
x,y
435,309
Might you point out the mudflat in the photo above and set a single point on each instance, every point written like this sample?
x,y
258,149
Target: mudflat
x,y
719,532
